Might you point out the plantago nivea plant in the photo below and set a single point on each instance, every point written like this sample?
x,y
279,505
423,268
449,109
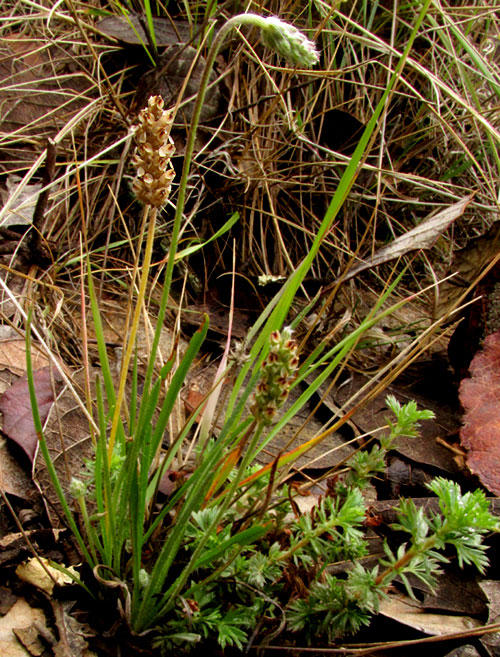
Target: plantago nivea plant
x,y
205,538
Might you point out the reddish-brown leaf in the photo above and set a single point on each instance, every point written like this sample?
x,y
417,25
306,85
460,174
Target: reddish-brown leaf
x,y
15,406
480,397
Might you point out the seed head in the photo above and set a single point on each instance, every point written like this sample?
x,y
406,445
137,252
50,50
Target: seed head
x,y
154,172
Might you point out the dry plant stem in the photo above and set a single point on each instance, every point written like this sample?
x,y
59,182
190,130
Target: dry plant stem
x,y
97,59
151,214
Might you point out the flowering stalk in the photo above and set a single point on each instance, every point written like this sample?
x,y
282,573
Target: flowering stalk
x,y
277,34
154,175
289,43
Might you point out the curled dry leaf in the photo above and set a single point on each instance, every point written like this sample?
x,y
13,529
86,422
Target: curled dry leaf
x,y
422,236
480,395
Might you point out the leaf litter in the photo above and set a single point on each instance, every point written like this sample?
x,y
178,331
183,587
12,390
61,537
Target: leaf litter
x,y
480,397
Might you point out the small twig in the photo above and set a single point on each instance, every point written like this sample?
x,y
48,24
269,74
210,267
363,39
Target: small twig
x,y
39,251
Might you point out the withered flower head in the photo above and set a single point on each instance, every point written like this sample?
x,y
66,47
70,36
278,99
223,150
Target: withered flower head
x,y
154,172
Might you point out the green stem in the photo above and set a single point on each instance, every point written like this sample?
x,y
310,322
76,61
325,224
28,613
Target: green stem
x,y
390,573
176,588
235,21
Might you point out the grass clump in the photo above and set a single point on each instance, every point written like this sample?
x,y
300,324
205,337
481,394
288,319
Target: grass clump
x,y
225,557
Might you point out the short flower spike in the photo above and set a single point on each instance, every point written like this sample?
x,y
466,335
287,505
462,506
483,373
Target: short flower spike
x,y
289,42
277,375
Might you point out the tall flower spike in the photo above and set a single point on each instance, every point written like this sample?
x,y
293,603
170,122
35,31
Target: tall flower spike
x,y
154,172
289,42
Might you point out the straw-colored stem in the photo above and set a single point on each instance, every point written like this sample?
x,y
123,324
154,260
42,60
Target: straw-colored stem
x,y
146,265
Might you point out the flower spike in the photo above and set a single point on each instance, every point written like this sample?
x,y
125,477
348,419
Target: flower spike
x,y
154,172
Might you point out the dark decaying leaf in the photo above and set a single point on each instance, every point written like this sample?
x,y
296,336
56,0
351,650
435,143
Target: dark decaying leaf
x,y
15,406
467,265
33,98
480,397
14,478
72,642
424,449
129,29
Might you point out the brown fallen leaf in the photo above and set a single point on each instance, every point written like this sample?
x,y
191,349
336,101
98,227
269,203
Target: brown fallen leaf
x,y
13,356
491,589
20,616
129,29
422,236
479,396
69,444
21,211
15,405
14,479
72,642
39,91
404,609
422,450
467,266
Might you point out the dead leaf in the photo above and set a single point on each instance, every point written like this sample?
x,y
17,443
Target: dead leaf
x,y
72,641
39,91
15,406
456,592
423,449
14,479
422,236
468,263
68,440
39,573
491,589
479,395
404,609
7,599
129,29
29,637
21,210
13,356
13,547
21,615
